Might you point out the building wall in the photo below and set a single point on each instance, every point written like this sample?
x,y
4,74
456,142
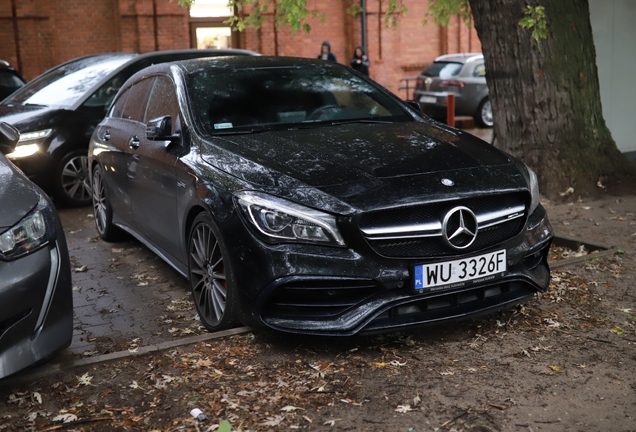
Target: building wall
x,y
395,53
44,33
615,41
36,35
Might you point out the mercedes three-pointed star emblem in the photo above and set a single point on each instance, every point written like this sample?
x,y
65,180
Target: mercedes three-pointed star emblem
x,y
460,227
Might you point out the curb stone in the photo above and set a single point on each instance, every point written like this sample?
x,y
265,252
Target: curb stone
x,y
51,368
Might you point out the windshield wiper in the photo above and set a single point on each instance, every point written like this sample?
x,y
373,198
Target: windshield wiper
x,y
372,121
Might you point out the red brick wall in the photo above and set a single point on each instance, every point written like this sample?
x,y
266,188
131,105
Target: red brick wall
x,y
51,32
395,53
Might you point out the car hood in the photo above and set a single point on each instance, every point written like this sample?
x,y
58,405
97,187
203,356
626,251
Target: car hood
x,y
17,195
28,117
345,154
365,166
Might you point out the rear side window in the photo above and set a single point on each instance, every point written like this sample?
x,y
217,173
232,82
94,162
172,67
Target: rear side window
x,y
117,109
135,107
480,71
443,70
163,101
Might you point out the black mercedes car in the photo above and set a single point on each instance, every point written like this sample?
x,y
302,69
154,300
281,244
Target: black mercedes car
x,y
57,112
301,196
36,301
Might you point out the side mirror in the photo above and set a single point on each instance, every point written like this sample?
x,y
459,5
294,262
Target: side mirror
x,y
9,137
160,129
415,105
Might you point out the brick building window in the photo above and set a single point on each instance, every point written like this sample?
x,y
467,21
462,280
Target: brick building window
x,y
207,27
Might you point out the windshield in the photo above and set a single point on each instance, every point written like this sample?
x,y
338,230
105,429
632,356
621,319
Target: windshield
x,y
224,100
443,70
64,85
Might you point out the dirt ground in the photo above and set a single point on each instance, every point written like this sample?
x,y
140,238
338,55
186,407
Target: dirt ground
x,y
563,361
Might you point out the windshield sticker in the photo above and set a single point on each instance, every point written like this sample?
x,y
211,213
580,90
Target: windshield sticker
x,y
223,125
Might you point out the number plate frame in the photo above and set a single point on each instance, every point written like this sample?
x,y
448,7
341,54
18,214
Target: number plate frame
x,y
456,274
428,99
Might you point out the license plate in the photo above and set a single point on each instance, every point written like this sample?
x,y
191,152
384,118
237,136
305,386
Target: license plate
x,y
459,273
428,99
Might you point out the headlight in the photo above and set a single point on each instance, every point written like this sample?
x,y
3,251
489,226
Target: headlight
x,y
29,143
534,189
284,221
33,231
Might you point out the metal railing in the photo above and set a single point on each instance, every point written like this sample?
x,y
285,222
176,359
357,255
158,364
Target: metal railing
x,y
408,87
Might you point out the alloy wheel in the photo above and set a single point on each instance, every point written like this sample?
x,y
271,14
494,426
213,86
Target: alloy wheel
x,y
486,113
207,273
99,202
75,179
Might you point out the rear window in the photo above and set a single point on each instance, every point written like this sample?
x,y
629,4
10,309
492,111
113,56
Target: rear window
x,y
67,83
443,70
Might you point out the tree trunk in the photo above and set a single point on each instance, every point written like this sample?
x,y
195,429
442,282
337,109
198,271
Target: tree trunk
x,y
546,100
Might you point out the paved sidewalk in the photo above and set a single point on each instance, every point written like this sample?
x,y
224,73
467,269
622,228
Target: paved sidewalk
x,y
124,295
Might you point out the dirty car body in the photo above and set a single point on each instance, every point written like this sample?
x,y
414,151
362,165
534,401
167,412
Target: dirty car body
x,y
297,195
36,303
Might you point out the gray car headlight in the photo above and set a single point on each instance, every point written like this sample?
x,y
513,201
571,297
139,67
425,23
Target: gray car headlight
x,y
33,231
284,221
534,189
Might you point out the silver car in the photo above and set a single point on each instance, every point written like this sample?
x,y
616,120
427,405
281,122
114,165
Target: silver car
x,y
461,74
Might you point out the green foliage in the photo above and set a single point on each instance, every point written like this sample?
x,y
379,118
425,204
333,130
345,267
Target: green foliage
x,y
291,12
535,20
394,9
442,10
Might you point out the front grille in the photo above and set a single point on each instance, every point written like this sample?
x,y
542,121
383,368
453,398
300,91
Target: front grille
x,y
318,299
434,245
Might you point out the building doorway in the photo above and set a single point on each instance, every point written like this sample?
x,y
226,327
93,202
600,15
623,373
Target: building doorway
x,y
208,28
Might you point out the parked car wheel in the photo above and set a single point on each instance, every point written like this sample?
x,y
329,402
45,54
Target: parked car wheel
x,y
101,208
211,276
484,114
71,182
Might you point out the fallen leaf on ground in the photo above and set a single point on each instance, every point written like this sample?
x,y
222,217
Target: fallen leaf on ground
x,y
85,379
66,418
404,408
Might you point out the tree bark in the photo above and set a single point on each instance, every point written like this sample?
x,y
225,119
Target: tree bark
x,y
546,99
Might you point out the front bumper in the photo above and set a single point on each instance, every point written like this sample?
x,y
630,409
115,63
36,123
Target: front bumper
x,y
36,306
331,291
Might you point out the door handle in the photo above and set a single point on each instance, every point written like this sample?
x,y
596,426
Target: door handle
x,y
133,143
106,136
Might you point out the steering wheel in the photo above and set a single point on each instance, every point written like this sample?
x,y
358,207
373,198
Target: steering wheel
x,y
319,112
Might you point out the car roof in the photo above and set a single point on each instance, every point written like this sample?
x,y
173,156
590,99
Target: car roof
x,y
460,57
134,58
233,63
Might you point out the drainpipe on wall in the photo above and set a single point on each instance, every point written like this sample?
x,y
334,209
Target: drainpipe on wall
x,y
16,37
363,26
154,24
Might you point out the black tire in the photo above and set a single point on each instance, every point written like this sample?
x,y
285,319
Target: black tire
x,y
102,210
483,117
71,181
211,275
